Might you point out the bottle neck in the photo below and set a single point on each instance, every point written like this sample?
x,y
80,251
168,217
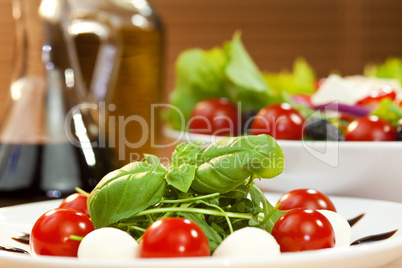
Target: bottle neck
x,y
29,40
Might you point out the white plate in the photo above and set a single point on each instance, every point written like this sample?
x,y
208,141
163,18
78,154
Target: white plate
x,y
381,216
358,169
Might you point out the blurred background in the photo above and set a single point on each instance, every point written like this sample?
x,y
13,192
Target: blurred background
x,y
339,35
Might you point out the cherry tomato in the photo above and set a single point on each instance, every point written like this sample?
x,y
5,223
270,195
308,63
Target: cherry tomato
x,y
77,201
173,237
302,229
51,233
305,198
214,117
280,121
370,128
375,97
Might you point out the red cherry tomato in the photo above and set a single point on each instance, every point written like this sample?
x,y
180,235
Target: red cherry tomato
x,y
305,198
214,117
370,128
302,229
280,121
173,237
375,97
51,233
77,201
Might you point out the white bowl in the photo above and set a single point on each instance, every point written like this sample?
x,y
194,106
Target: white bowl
x,y
358,169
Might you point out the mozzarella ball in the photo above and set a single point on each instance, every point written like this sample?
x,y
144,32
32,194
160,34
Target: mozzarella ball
x,y
108,243
342,230
248,242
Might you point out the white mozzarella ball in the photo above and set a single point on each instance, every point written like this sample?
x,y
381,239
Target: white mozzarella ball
x,y
248,242
108,243
342,230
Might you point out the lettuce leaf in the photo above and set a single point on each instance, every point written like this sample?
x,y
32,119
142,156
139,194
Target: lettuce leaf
x,y
221,72
391,68
388,111
199,76
301,80
244,82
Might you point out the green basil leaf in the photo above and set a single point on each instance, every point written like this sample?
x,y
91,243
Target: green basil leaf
x,y
186,152
125,192
228,163
181,177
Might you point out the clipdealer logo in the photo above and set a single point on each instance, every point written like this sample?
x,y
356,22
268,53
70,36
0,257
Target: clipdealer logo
x,y
81,134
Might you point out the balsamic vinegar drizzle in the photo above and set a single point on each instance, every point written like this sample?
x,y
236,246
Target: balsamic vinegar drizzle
x,y
354,220
372,238
14,249
21,237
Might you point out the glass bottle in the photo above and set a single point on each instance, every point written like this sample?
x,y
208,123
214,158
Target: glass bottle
x,y
132,124
48,144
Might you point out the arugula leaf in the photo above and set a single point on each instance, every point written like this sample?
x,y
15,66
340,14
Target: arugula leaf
x,y
228,163
123,193
271,214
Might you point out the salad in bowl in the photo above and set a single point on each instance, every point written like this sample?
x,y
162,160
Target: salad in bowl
x,y
339,134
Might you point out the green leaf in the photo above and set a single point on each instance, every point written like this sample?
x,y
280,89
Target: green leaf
x,y
186,153
391,68
125,192
229,163
199,76
271,214
388,111
301,80
154,161
181,177
244,82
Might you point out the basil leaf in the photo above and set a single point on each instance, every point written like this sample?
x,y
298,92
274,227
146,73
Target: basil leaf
x,y
181,177
125,192
228,163
154,161
186,152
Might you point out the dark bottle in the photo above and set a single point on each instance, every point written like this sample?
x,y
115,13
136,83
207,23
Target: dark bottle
x,y
50,141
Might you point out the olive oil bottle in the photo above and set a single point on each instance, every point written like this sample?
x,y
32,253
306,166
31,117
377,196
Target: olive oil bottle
x,y
132,125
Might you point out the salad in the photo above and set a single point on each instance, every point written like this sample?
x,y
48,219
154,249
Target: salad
x,y
221,91
203,204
